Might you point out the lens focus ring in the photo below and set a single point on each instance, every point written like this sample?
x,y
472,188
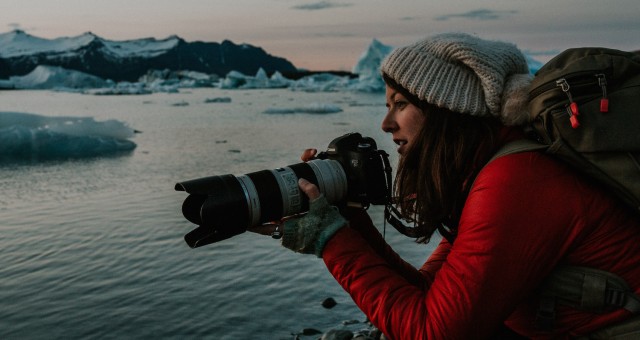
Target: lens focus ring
x,y
332,180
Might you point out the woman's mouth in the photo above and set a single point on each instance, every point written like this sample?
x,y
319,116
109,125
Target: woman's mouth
x,y
401,144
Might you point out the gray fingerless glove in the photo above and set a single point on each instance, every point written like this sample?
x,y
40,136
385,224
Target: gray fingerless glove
x,y
309,234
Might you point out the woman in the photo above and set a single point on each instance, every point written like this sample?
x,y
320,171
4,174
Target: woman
x,y
453,101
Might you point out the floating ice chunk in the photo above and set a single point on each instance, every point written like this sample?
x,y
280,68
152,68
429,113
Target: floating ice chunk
x,y
122,88
161,80
6,84
36,137
313,108
237,80
218,100
321,82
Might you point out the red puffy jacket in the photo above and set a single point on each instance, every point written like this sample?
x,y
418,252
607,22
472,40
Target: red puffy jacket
x,y
525,214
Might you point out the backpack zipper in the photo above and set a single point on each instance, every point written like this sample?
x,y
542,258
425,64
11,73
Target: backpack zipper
x,y
572,107
576,80
604,101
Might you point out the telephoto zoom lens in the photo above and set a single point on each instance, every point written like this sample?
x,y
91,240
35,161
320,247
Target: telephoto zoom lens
x,y
225,206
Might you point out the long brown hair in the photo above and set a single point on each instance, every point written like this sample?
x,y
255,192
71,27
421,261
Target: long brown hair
x,y
434,176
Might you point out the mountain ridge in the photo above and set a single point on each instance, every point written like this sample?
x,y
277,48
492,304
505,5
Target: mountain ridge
x,y
127,60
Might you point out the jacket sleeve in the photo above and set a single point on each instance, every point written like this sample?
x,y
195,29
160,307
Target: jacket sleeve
x,y
501,253
361,222
435,261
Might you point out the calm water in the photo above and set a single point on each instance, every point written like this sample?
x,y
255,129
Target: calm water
x,y
94,249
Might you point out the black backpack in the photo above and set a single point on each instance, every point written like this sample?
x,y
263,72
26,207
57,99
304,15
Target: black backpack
x,y
585,110
585,106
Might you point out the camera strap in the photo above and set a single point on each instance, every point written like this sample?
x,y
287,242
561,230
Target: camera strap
x,y
393,216
391,213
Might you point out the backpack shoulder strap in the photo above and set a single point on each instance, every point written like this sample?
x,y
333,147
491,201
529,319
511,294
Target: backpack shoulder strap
x,y
516,146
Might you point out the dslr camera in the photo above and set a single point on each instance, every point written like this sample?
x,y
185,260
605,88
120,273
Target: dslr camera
x,y
351,172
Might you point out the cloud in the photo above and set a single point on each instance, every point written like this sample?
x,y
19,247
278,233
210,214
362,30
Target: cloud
x,y
320,5
479,14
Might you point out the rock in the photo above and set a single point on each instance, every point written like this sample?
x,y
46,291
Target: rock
x,y
310,331
337,334
329,303
350,322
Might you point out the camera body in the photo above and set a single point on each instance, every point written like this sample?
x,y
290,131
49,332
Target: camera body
x,y
351,172
367,169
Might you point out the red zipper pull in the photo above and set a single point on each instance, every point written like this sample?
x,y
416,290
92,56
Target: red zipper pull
x,y
604,101
573,118
572,108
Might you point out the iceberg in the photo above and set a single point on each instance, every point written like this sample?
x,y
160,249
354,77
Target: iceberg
x,y
26,136
51,77
534,65
238,80
368,68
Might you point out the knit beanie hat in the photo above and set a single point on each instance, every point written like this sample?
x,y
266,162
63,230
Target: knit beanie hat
x,y
465,74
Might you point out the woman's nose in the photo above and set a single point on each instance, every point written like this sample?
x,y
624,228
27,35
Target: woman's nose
x,y
388,123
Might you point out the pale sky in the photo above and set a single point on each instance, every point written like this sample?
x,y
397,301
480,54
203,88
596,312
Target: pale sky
x,y
332,34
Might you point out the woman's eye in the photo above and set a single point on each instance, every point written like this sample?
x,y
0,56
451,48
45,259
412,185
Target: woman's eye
x,y
400,104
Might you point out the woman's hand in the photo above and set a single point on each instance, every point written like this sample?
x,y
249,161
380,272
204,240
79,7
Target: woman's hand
x,y
310,189
274,229
308,155
309,234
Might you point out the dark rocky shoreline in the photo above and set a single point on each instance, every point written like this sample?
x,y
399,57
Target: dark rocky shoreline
x,y
348,330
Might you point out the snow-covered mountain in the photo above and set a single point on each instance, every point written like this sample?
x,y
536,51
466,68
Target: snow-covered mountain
x,y
21,53
18,43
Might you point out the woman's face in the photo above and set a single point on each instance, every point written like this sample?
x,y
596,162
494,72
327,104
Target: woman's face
x,y
403,120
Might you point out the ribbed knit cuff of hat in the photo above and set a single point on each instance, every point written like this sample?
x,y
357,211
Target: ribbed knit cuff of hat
x,y
309,234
